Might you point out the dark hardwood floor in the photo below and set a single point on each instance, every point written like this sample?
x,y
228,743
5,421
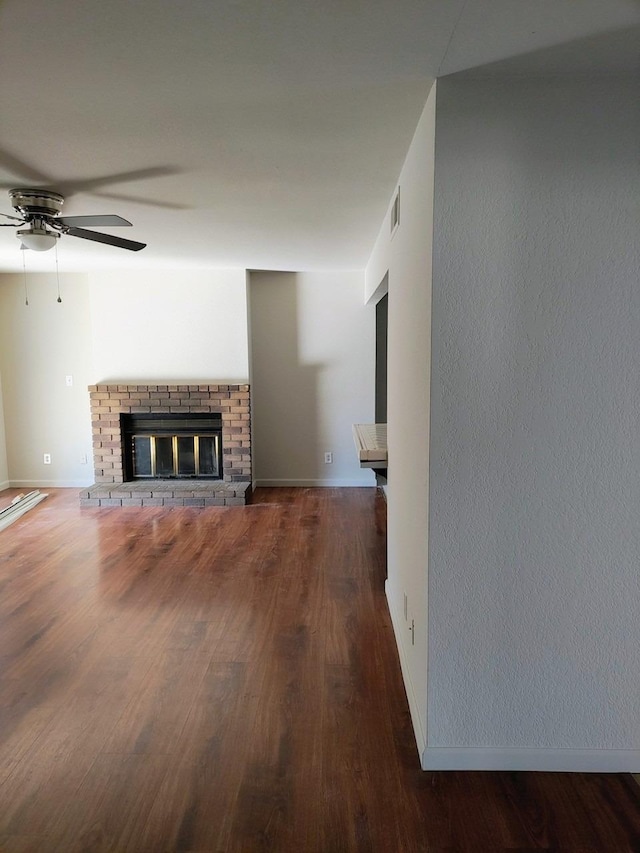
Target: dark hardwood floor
x,y
226,680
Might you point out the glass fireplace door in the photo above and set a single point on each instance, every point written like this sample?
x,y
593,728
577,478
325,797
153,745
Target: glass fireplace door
x,y
169,456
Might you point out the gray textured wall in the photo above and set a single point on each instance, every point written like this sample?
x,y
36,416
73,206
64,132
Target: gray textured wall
x,y
534,585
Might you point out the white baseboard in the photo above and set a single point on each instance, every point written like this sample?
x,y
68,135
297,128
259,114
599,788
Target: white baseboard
x,y
414,708
310,484
548,760
501,758
5,485
50,484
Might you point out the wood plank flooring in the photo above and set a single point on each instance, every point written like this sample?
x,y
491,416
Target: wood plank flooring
x,y
226,679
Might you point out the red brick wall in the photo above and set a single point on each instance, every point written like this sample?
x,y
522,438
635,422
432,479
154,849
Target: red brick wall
x,y
108,402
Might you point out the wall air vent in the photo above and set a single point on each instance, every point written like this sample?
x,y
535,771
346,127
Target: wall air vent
x,y
395,213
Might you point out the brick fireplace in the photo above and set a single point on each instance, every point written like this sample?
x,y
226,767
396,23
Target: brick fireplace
x,y
110,402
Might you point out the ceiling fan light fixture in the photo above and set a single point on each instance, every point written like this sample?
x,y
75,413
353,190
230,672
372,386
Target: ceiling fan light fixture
x,y
37,239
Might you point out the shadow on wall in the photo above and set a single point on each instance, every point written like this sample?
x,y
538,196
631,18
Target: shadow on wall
x,y
285,392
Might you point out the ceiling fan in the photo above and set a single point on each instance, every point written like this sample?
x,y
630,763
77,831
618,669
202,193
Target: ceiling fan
x,y
39,210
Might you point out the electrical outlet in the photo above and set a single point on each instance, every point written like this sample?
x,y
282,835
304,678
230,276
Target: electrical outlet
x,y
68,380
328,457
83,459
47,459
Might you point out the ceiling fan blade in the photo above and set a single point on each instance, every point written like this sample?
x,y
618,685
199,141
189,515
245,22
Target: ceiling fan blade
x,y
88,185
166,205
15,218
97,237
106,219
22,170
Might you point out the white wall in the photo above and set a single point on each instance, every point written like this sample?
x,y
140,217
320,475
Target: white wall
x,y
310,330
313,346
181,325
407,257
39,346
534,637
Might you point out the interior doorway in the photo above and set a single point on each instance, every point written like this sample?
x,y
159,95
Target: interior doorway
x,y
382,315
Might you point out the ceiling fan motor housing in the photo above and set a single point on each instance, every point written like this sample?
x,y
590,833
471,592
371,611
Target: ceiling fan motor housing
x,y
35,202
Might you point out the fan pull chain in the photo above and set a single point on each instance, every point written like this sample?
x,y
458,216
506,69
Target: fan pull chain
x,y
24,271
59,299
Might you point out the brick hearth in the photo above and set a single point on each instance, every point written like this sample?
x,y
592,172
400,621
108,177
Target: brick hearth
x,y
108,402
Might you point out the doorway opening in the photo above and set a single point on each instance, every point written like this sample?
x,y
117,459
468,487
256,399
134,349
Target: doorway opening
x,y
382,322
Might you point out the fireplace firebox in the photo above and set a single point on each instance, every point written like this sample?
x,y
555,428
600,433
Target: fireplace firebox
x,y
165,446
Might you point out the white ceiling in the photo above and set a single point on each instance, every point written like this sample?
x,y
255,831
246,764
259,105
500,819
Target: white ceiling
x,y
264,135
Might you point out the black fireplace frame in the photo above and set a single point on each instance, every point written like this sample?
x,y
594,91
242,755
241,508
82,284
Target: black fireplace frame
x,y
164,424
